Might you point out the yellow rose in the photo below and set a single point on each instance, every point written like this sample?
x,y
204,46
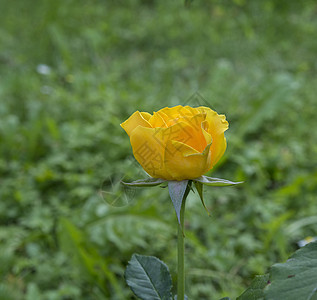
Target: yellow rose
x,y
177,143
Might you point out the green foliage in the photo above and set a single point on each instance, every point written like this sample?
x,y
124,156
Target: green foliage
x,y
74,243
60,139
296,278
149,278
255,290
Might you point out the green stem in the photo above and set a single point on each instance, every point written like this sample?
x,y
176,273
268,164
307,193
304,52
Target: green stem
x,y
181,257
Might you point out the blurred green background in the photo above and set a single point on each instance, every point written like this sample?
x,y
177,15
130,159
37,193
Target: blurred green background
x,y
72,71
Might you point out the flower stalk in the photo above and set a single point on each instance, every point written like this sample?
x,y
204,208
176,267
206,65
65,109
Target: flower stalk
x,y
180,255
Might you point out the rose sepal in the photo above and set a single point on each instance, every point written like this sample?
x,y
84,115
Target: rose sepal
x,y
199,187
211,181
148,182
178,191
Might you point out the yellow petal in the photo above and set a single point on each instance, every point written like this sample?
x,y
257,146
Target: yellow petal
x,y
178,111
217,149
194,111
149,145
207,136
163,116
148,150
146,115
186,134
217,125
193,121
172,112
157,120
135,120
199,138
183,162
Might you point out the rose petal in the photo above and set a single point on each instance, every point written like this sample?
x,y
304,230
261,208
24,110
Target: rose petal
x,y
184,162
149,145
157,121
163,116
217,125
135,120
148,150
194,121
199,137
178,111
204,128
194,111
146,115
185,133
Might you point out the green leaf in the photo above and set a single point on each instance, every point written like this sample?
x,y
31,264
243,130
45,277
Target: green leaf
x,y
145,182
177,191
255,290
149,278
199,187
295,279
210,181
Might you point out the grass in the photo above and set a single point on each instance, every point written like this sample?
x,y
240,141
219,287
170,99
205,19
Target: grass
x,y
60,139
